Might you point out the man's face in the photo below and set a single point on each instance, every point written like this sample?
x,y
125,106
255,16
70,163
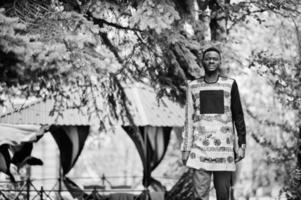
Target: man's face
x,y
211,61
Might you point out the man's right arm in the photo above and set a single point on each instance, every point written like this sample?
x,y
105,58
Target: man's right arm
x,y
238,119
188,126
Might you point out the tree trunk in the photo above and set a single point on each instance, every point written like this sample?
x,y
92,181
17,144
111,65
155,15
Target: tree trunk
x,y
218,17
299,149
218,21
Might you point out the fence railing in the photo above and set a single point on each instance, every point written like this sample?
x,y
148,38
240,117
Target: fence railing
x,y
26,190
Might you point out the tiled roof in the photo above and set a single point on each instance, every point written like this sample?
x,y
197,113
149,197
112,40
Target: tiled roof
x,y
145,110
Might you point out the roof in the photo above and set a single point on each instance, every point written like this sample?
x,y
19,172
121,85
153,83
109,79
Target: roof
x,y
145,109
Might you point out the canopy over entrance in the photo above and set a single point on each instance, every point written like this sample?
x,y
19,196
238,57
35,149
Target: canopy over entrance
x,y
152,119
144,108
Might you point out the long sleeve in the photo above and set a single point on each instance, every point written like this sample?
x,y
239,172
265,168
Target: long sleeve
x,y
188,133
237,115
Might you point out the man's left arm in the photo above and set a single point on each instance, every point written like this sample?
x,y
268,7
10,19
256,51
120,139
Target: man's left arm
x,y
238,118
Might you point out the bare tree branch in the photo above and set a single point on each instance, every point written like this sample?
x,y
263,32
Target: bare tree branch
x,y
242,18
298,37
285,127
101,22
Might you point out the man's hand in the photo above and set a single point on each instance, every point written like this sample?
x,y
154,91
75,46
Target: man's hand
x,y
240,154
185,155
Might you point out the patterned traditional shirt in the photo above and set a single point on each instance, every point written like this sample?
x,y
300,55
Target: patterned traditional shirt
x,y
213,111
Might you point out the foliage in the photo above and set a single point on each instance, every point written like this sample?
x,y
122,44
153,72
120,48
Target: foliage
x,y
59,56
277,116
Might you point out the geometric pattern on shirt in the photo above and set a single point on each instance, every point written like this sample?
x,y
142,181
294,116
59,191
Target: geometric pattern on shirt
x,y
229,159
224,119
204,85
215,149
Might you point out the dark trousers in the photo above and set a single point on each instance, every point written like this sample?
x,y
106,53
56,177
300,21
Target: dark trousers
x,y
222,183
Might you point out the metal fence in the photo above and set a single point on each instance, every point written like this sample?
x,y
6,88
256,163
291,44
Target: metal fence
x,y
26,190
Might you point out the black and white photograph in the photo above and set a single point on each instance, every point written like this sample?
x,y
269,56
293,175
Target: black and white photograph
x,y
150,100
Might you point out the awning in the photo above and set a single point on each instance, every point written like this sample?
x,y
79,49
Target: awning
x,y
18,134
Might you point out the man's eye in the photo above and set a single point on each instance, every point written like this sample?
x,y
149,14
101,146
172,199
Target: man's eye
x,y
208,59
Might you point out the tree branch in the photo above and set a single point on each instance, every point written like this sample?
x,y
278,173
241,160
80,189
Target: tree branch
x,y
287,153
101,22
285,127
298,37
241,18
112,48
104,37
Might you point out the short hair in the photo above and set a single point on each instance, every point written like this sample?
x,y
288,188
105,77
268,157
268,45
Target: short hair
x,y
212,49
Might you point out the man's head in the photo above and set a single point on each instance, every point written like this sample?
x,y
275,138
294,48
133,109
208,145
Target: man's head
x,y
211,60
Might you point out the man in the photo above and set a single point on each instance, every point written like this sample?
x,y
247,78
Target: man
x,y
211,146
